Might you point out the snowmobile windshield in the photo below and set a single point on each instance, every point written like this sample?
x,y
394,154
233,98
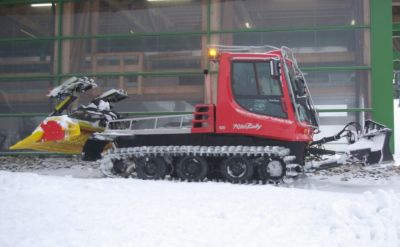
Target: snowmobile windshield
x,y
303,103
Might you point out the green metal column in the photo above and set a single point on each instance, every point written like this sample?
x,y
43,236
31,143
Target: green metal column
x,y
381,59
59,39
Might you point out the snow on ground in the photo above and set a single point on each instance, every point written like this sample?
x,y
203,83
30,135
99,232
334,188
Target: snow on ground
x,y
40,210
66,202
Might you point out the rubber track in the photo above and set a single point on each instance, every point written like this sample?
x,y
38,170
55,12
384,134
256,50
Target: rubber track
x,y
106,163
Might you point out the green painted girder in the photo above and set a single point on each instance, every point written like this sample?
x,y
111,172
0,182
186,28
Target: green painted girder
x,y
382,62
16,2
396,26
169,73
185,33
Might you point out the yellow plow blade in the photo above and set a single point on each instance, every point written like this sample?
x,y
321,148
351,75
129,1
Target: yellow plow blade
x,y
76,136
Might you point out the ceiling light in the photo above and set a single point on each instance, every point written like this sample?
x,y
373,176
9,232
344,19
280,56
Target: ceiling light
x,y
247,24
35,5
353,22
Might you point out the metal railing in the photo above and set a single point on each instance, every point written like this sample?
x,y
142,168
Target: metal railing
x,y
157,122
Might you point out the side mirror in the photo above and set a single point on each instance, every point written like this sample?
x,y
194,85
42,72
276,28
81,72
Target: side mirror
x,y
301,87
275,69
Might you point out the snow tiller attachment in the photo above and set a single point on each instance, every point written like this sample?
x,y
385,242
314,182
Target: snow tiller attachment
x,y
368,146
58,134
66,130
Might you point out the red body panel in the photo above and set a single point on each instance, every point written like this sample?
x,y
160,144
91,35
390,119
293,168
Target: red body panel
x,y
231,118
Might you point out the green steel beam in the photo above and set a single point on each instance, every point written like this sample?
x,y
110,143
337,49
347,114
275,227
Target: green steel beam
x,y
291,29
396,60
329,69
209,9
16,2
105,74
27,77
37,39
115,74
396,27
382,65
209,21
161,34
396,55
132,35
188,33
346,110
59,40
333,69
174,73
171,73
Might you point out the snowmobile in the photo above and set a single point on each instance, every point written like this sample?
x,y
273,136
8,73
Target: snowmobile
x,y
66,130
259,124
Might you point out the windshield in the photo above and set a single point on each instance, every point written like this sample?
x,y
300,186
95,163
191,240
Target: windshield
x,y
306,112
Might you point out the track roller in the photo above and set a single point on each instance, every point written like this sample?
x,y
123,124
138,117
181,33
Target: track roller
x,y
122,167
272,169
237,169
151,168
192,168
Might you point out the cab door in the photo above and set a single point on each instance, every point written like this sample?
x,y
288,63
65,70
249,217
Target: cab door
x,y
256,90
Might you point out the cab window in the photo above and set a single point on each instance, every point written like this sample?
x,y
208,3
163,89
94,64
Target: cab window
x,y
304,110
256,90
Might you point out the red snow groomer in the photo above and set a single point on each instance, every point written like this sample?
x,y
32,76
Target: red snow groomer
x,y
258,124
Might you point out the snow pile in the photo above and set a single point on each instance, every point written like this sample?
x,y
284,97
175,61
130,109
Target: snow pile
x,y
57,211
372,220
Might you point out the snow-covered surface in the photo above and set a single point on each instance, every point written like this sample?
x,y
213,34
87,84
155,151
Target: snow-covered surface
x,y
66,202
62,211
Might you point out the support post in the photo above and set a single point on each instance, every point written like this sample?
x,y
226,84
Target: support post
x,y
382,55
